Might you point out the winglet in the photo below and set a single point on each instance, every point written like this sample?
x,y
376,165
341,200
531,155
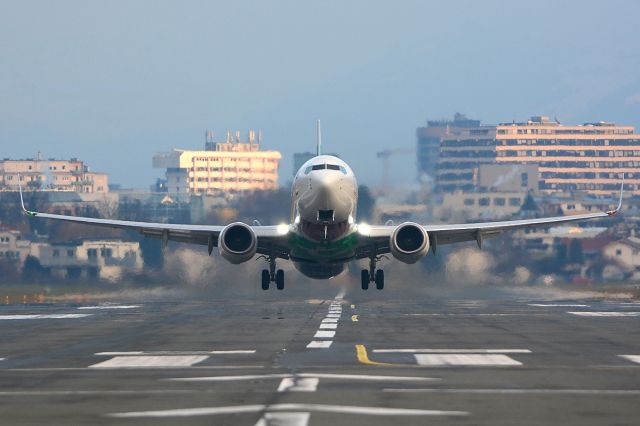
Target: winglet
x,y
318,139
617,209
24,209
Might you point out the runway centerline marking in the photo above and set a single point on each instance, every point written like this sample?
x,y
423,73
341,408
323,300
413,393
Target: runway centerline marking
x,y
462,360
150,361
330,320
604,314
328,326
284,419
632,358
319,344
43,316
237,409
324,334
292,384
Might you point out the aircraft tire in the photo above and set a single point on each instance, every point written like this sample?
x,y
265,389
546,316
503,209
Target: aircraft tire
x,y
266,279
364,277
280,279
379,279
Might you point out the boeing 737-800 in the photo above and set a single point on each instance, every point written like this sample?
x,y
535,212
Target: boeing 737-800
x,y
323,234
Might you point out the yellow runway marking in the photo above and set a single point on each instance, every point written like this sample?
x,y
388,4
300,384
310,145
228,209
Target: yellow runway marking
x,y
363,358
354,318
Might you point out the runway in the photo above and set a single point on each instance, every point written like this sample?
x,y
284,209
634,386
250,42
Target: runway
x,y
343,357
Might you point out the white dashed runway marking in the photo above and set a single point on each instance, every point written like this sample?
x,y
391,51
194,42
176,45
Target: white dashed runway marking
x,y
324,334
632,358
605,314
150,361
463,360
42,316
291,384
319,344
330,320
328,326
328,376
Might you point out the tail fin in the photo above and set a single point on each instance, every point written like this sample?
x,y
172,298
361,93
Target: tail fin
x,y
318,139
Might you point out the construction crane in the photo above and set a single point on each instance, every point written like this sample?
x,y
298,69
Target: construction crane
x,y
384,156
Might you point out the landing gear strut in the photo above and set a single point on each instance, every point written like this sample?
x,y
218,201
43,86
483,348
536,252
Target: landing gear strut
x,y
271,275
372,274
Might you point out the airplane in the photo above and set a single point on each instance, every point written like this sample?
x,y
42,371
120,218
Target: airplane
x,y
323,235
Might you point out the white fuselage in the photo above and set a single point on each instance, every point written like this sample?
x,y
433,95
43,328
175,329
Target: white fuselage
x,y
323,209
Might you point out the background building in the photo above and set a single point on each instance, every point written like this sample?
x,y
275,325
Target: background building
x,y
591,157
52,174
229,166
428,146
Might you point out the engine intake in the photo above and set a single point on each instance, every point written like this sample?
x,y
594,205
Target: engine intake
x,y
237,243
409,242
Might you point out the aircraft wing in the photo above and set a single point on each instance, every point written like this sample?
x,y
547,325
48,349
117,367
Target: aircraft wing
x,y
376,238
269,239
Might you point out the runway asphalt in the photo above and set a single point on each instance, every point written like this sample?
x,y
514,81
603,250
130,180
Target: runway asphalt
x,y
339,358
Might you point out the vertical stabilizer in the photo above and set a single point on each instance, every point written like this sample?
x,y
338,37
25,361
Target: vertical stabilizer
x,y
318,139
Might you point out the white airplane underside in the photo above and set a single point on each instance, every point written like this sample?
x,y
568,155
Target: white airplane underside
x,y
323,235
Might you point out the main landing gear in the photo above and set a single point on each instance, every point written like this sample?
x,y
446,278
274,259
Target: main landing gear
x,y
372,275
271,275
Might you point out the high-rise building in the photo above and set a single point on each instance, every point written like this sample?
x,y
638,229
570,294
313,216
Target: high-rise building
x,y
229,166
429,137
52,174
591,157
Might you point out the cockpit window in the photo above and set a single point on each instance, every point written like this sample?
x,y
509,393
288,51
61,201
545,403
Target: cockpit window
x,y
325,166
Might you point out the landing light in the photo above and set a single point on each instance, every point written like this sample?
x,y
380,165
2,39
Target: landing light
x,y
364,229
282,229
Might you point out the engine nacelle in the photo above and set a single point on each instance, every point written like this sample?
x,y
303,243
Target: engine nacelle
x,y
237,242
409,242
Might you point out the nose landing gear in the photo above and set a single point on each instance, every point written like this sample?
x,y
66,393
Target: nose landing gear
x,y
372,274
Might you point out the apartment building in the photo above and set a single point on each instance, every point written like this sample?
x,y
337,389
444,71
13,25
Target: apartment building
x,y
55,175
229,166
590,158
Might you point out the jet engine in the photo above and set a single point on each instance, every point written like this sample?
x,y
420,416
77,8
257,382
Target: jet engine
x,y
409,242
237,242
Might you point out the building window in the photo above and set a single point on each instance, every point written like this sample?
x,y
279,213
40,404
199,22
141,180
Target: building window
x,y
106,252
92,253
56,253
499,201
70,253
483,201
618,252
514,202
469,202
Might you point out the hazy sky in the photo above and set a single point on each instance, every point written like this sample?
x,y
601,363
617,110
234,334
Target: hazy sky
x,y
112,82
